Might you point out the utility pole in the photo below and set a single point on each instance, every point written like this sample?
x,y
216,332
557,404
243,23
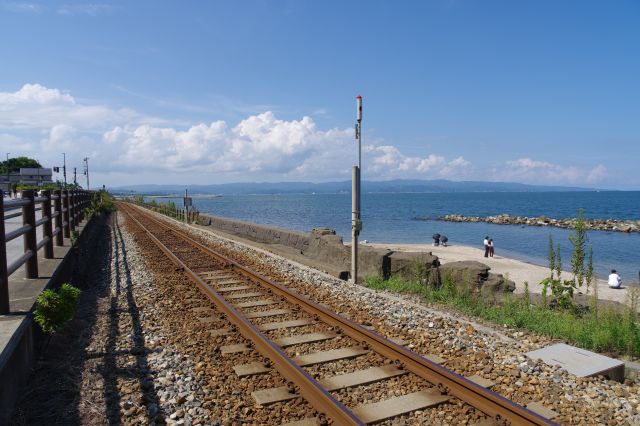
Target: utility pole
x,y
356,223
86,170
75,180
64,169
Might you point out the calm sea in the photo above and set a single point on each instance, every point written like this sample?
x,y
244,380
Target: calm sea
x,y
392,218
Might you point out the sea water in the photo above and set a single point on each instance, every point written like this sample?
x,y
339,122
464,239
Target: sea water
x,y
393,218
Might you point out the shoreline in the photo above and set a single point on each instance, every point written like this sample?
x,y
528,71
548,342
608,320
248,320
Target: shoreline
x,y
516,270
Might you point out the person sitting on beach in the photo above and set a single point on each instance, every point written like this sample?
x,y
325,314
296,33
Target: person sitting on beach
x,y
486,246
614,279
491,249
444,240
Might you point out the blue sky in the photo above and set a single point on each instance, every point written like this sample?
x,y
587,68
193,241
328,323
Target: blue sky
x,y
228,91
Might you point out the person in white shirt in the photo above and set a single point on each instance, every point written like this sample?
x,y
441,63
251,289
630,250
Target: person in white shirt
x,y
614,279
486,246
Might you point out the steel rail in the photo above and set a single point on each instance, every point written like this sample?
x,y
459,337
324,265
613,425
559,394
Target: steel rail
x,y
310,389
483,399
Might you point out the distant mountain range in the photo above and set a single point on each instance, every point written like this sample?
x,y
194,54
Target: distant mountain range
x,y
399,185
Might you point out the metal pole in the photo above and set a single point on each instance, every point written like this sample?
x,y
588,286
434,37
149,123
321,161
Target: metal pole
x,y
86,170
29,238
4,278
355,220
64,168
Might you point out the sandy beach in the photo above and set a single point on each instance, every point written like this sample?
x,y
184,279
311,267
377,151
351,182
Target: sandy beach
x,y
516,270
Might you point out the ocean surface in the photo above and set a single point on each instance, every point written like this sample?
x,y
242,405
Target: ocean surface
x,y
391,218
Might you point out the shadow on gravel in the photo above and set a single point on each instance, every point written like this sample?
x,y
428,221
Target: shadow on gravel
x,y
54,394
110,369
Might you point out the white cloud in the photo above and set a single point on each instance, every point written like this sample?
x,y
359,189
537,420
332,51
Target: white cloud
x,y
37,107
23,7
90,9
261,146
543,172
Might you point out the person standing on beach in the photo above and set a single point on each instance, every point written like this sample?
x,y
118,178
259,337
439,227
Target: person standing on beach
x,y
614,279
491,251
486,246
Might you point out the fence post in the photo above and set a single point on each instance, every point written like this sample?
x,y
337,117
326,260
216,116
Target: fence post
x,y
58,208
29,238
47,227
72,210
4,278
65,204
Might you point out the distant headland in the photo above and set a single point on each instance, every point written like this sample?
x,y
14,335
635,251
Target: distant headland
x,y
389,186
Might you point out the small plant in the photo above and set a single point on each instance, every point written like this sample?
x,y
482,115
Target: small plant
x,y
74,237
558,262
551,255
588,273
526,295
578,241
54,308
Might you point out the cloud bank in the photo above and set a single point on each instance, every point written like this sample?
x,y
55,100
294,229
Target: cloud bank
x,y
44,122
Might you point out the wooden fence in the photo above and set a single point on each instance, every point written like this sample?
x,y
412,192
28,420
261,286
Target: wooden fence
x,y
61,211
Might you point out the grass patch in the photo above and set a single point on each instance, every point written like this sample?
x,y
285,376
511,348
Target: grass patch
x,y
602,330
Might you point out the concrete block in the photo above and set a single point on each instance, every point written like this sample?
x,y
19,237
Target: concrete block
x,y
580,362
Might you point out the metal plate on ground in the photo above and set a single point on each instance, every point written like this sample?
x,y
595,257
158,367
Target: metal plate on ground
x,y
264,314
393,407
361,377
256,303
541,410
434,358
285,324
580,362
479,380
232,349
243,296
283,342
328,356
219,332
207,320
269,396
250,369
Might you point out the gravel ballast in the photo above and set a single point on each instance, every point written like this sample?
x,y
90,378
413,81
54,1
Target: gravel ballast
x,y
141,353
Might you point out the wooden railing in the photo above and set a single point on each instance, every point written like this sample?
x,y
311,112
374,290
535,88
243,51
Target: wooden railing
x,y
62,211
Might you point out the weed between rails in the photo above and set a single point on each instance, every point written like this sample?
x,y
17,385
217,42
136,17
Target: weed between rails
x,y
604,329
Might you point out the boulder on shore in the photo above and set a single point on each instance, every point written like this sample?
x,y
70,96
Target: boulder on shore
x,y
476,275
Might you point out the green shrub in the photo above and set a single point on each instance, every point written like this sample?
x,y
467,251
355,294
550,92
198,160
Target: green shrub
x,y
101,202
55,308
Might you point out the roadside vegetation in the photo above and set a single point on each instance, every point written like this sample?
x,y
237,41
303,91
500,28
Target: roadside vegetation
x,y
54,308
593,326
101,203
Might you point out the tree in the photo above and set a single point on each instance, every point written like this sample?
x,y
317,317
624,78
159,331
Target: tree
x,y
15,164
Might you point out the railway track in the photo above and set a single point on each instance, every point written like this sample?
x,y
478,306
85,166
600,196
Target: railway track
x,y
271,316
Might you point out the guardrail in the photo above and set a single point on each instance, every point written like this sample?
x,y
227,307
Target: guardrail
x,y
61,211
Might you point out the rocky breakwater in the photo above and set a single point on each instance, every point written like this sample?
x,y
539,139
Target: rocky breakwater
x,y
570,223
